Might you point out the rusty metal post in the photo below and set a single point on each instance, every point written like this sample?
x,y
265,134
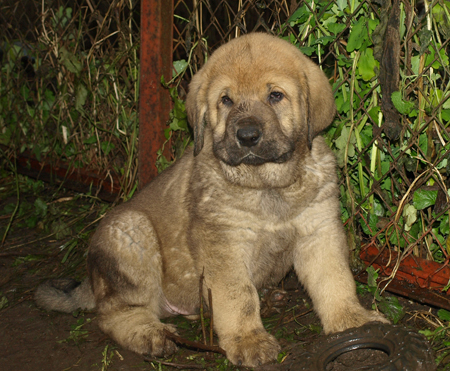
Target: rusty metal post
x,y
154,100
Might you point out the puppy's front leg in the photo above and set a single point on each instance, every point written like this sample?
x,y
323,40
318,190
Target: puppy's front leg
x,y
237,315
322,266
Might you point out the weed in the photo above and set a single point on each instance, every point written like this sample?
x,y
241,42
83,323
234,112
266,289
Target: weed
x,y
3,301
439,334
377,170
388,305
77,334
107,359
79,104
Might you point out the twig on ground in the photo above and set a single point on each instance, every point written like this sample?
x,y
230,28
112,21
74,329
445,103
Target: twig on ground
x,y
294,317
200,296
179,365
194,344
211,322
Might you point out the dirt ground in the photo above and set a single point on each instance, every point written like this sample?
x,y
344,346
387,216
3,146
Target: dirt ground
x,y
32,339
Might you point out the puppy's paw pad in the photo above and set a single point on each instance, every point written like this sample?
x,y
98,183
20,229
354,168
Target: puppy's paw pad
x,y
161,346
252,349
151,339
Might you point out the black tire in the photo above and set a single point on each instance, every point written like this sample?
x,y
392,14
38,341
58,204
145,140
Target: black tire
x,y
406,350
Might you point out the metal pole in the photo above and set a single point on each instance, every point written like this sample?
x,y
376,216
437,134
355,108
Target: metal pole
x,y
154,100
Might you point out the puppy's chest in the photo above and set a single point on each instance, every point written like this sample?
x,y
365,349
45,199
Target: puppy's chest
x,y
267,250
264,238
263,221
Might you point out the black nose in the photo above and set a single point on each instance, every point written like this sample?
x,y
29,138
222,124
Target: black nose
x,y
249,136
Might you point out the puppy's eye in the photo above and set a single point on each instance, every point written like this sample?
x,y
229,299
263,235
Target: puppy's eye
x,y
226,100
275,97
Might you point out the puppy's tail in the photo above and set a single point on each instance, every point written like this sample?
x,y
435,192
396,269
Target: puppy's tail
x,y
65,295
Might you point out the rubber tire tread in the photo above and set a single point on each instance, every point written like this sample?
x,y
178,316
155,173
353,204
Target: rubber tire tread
x,y
409,350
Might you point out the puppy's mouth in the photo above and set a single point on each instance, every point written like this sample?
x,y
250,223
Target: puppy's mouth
x,y
254,159
265,151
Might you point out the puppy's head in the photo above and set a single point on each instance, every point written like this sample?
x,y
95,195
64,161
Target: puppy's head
x,y
264,102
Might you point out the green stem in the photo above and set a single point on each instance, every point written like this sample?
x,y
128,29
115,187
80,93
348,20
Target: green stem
x,y
352,129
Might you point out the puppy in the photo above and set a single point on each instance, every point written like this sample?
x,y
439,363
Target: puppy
x,y
256,196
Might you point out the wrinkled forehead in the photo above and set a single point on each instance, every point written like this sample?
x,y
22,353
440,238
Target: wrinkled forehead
x,y
236,86
251,75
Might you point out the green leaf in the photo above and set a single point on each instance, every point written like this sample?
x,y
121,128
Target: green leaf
x,y
60,229
336,28
49,100
409,216
373,220
3,302
443,314
341,142
307,50
428,333
358,35
443,226
299,16
441,15
446,112
372,276
415,64
386,185
404,107
391,307
372,23
324,40
69,60
5,136
367,64
344,61
423,143
81,97
167,132
378,209
342,4
107,147
315,328
446,104
423,199
91,140
374,113
179,66
41,207
425,37
396,237
281,357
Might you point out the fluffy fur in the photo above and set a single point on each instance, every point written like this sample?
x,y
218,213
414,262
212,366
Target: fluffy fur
x,y
257,196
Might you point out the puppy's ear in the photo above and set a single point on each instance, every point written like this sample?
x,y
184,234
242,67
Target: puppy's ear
x,y
196,107
321,107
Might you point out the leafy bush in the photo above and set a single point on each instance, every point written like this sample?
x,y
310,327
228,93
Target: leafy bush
x,y
390,186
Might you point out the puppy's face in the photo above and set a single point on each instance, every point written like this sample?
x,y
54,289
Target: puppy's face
x,y
255,97
254,122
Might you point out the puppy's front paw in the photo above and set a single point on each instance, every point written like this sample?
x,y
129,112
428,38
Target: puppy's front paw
x,y
252,349
351,317
151,339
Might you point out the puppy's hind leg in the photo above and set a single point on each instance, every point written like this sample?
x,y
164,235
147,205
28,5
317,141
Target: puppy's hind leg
x,y
126,272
